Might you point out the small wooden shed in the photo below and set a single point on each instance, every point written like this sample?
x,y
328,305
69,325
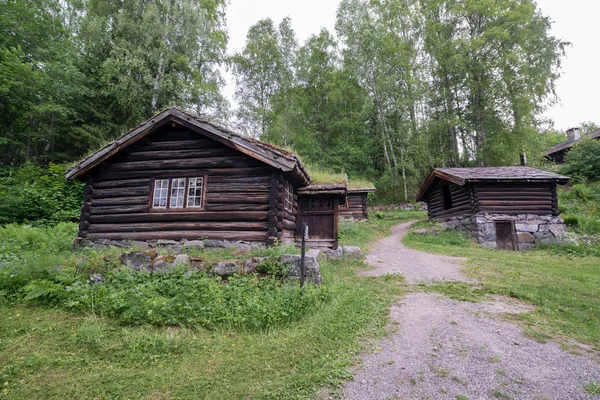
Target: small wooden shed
x,y
355,205
504,207
319,209
177,176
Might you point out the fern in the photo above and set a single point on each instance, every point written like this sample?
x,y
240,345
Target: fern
x,y
42,290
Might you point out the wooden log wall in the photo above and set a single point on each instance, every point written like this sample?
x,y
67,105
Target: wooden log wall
x,y
516,198
356,206
461,201
243,197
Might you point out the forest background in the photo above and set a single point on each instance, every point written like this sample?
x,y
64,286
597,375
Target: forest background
x,y
401,86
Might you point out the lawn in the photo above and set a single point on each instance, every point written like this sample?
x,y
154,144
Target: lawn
x,y
47,351
562,281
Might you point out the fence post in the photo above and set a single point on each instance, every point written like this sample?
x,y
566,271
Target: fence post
x,y
303,251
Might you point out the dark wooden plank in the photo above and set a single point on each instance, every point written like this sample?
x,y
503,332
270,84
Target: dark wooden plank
x,y
120,201
188,163
247,198
121,183
121,192
178,154
237,207
181,145
178,226
175,173
178,235
181,216
118,209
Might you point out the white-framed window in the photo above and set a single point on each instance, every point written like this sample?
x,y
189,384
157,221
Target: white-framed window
x,y
288,197
161,193
179,193
194,198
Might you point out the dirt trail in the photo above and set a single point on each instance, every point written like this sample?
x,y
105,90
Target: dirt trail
x,y
444,349
390,256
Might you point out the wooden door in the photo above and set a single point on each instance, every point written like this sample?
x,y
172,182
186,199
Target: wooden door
x,y
505,235
320,213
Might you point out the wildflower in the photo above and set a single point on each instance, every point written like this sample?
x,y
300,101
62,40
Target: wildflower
x,y
96,278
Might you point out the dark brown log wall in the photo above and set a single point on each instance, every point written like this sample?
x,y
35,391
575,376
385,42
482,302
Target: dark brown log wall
x,y
243,197
461,201
516,198
356,206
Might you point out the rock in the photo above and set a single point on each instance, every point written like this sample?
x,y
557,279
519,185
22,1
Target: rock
x,y
160,266
245,246
331,253
197,244
313,253
491,245
432,229
527,227
181,259
313,269
525,237
352,251
140,245
136,260
225,268
558,230
251,265
166,243
217,243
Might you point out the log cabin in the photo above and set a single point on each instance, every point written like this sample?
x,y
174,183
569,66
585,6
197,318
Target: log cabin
x,y
355,205
177,176
510,208
558,152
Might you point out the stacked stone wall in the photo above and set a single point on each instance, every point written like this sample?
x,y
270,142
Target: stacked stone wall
x,y
530,229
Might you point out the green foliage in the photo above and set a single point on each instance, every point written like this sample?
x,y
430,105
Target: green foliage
x,y
456,290
580,207
442,237
41,195
583,161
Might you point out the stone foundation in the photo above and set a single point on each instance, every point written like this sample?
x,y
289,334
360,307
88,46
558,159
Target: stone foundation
x,y
529,229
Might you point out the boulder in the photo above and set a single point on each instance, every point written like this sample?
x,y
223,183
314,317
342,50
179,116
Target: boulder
x,y
532,228
313,269
331,253
313,253
245,246
251,265
217,243
181,259
352,251
166,243
525,237
140,245
193,244
558,230
225,268
136,260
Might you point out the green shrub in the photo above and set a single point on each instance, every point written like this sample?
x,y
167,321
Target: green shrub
x,y
37,195
571,220
583,161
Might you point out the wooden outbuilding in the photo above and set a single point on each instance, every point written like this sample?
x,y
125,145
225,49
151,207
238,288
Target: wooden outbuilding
x,y
177,176
355,205
557,153
319,209
504,207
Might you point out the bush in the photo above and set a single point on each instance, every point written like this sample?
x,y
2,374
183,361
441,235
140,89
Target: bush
x,y
583,161
40,196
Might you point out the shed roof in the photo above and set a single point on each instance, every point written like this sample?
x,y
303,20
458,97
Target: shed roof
x,y
360,186
274,156
461,176
595,134
335,189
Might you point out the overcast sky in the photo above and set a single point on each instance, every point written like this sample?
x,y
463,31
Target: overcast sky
x,y
574,21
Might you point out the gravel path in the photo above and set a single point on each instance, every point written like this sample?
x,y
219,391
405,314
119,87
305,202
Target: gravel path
x,y
444,349
390,256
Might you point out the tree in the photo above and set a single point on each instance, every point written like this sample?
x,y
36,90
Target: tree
x,y
583,161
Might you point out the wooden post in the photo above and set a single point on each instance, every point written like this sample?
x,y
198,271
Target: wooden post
x,y
302,253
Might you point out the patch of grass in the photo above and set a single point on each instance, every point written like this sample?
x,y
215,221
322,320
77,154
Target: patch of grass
x,y
502,396
51,354
439,372
358,183
321,176
360,233
563,288
46,352
592,388
455,290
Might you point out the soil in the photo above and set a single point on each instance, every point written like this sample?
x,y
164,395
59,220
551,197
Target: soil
x,y
438,348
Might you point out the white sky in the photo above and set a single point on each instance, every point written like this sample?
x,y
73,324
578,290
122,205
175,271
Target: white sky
x,y
574,21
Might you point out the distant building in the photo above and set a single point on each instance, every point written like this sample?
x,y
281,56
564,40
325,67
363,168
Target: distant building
x,y
557,153
510,208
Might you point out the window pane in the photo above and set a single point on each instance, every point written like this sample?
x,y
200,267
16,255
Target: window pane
x,y
195,192
177,192
159,199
